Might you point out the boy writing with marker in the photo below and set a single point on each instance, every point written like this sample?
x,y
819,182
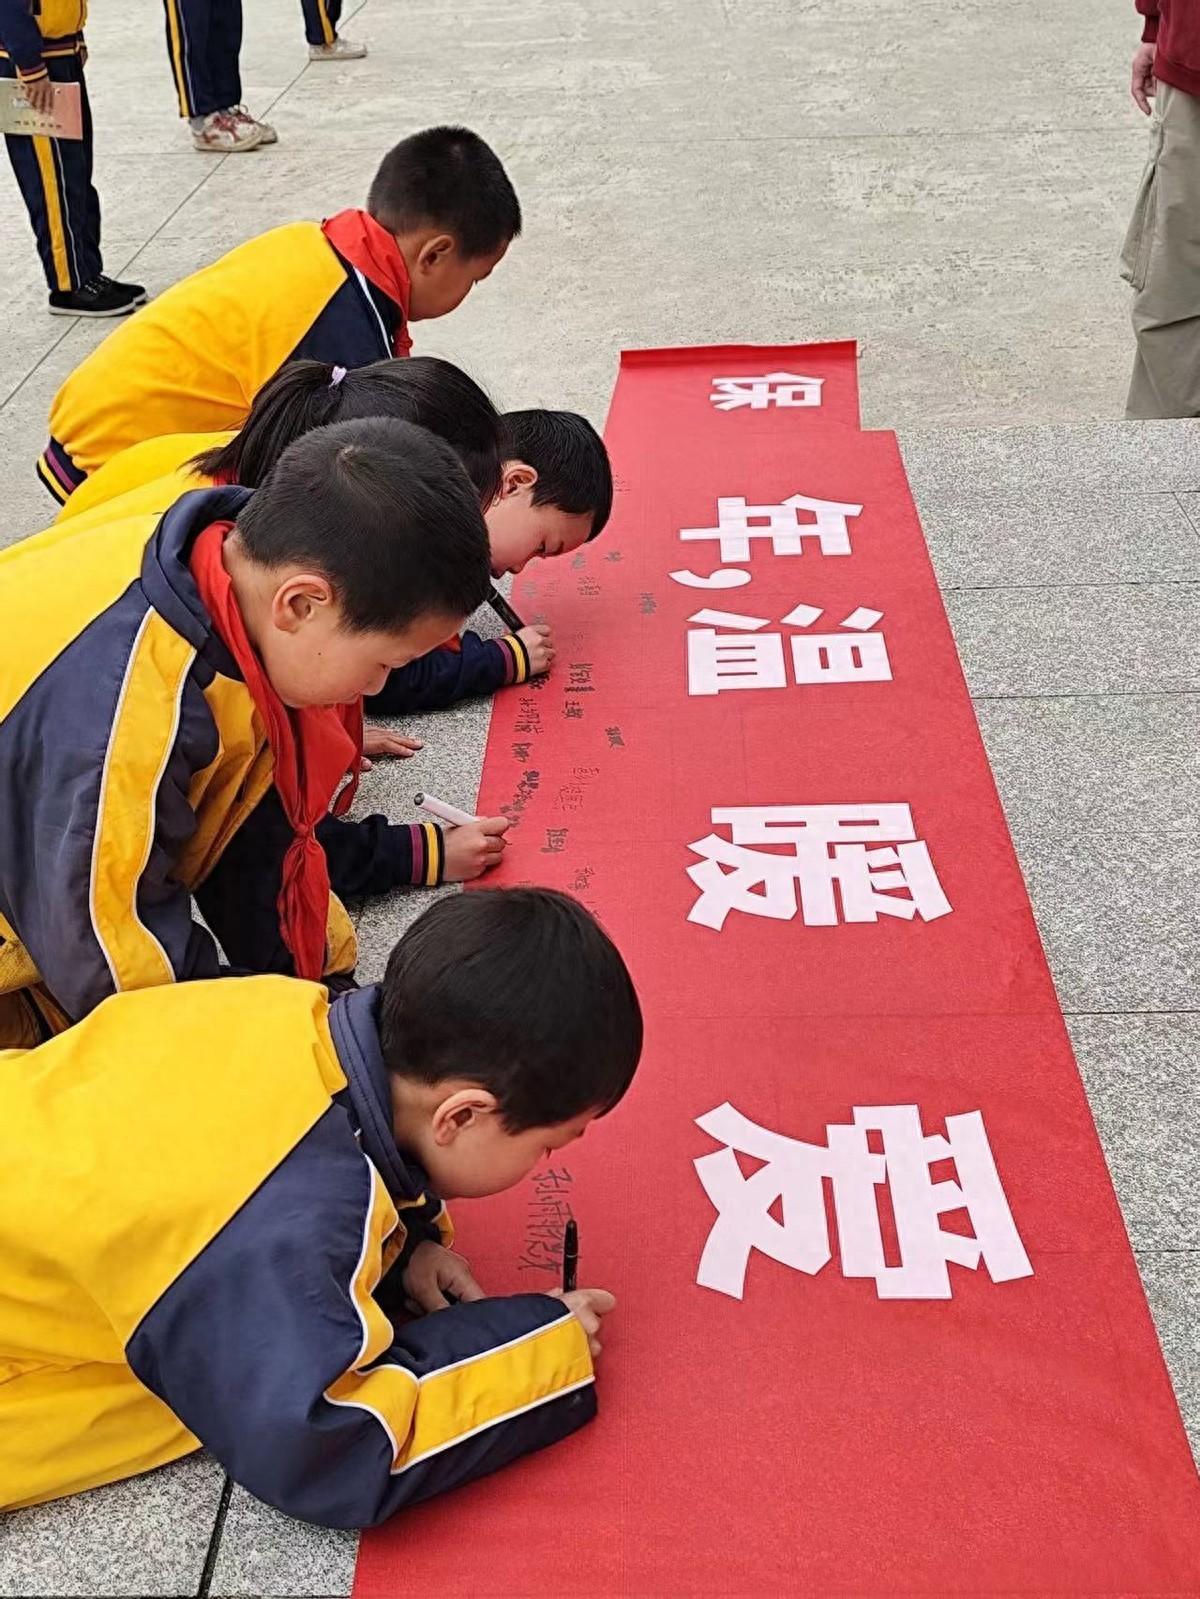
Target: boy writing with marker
x,y
156,1300
440,216
555,495
180,708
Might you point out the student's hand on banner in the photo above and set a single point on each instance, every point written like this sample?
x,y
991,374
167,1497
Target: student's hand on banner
x,y
589,1305
539,642
475,848
1142,87
382,741
40,94
434,1271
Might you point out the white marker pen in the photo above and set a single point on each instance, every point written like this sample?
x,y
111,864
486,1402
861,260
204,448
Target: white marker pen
x,y
444,813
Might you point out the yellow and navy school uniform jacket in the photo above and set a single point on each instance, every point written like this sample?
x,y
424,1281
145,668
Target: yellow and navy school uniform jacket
x,y
195,357
31,31
148,476
200,1192
367,856
132,758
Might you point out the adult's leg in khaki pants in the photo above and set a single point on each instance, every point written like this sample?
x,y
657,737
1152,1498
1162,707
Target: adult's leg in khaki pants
x,y
1162,260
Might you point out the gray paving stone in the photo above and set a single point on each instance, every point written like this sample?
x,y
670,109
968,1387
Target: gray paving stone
x,y
148,1535
1121,765
1117,915
568,64
264,1554
1172,1283
1095,457
1036,539
1190,505
1142,1075
1078,640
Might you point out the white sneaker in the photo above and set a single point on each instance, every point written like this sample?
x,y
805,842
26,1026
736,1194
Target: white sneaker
x,y
340,50
241,116
221,134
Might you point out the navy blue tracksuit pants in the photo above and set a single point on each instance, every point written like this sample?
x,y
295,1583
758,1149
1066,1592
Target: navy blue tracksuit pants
x,y
321,18
55,177
204,41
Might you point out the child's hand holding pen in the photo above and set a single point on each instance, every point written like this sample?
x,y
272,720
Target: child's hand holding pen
x,y
589,1305
474,848
474,844
539,646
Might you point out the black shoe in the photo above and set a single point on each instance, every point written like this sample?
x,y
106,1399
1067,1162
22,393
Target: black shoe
x,y
99,297
133,288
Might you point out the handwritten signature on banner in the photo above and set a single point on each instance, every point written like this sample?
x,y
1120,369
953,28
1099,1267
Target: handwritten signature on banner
x,y
547,1215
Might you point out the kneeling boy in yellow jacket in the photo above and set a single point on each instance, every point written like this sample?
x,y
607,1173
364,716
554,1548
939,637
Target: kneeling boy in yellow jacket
x,y
440,215
156,1299
161,678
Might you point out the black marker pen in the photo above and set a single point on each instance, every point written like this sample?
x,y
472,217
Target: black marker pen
x,y
504,611
570,1256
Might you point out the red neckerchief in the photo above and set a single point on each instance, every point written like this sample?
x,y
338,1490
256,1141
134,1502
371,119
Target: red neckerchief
x,y
367,245
314,750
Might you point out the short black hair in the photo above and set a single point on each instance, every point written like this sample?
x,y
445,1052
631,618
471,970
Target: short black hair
x,y
382,509
572,465
302,395
448,178
520,990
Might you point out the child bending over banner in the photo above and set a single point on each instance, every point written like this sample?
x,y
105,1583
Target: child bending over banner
x,y
162,679
544,481
158,1300
556,494
440,215
543,478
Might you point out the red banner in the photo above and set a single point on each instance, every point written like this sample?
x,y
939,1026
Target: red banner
x,y
879,1326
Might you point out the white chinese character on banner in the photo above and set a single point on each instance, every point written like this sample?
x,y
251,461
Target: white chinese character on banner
x,y
787,525
731,660
793,1177
787,390
871,852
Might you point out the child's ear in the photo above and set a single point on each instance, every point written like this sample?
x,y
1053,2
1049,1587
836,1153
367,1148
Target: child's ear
x,y
436,250
459,1112
297,598
517,476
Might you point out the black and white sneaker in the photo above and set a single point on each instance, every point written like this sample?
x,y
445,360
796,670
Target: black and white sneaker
x,y
100,296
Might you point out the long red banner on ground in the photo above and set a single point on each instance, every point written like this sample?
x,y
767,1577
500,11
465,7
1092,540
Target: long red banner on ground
x,y
880,1329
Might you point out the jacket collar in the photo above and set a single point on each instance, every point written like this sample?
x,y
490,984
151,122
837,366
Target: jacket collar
x,y
167,581
354,1026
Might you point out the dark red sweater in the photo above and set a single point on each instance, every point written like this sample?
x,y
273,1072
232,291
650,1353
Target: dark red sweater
x,y
1174,27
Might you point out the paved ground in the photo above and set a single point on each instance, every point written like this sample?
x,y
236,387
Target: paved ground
x,y
946,181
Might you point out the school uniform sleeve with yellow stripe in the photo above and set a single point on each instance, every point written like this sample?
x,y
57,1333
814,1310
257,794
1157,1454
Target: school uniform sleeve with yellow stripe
x,y
149,476
452,673
272,1348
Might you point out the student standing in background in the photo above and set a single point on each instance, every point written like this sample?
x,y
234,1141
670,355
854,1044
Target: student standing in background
x,y
204,41
41,44
321,18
